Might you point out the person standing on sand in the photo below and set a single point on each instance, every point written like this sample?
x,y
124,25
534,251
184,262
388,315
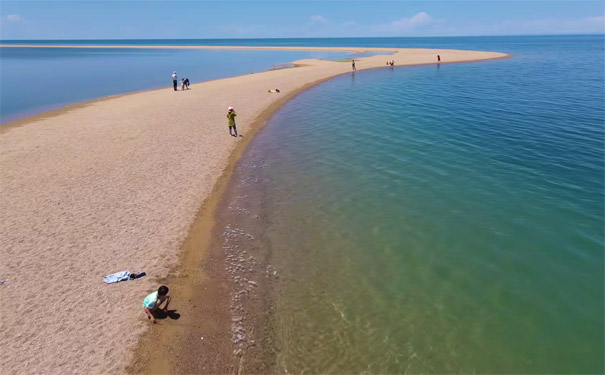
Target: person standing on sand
x,y
231,116
438,58
353,64
174,79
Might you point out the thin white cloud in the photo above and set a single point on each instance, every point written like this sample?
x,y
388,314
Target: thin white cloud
x,y
406,24
317,19
419,19
14,17
421,24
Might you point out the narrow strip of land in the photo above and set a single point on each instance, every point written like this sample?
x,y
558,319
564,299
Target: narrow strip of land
x,y
301,48
116,184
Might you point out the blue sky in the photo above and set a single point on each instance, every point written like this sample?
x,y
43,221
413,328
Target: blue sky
x,y
84,19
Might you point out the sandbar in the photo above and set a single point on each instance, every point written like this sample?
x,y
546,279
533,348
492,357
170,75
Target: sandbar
x,y
116,184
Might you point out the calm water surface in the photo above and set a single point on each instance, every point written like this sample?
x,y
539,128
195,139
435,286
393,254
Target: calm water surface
x,y
35,80
439,219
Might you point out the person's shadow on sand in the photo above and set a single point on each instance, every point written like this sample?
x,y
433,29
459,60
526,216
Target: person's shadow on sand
x,y
172,314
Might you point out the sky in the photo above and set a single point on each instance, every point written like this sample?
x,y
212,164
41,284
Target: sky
x,y
163,19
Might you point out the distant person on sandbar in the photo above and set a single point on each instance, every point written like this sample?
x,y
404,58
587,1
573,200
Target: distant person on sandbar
x,y
184,84
353,64
438,58
392,62
152,302
231,116
174,79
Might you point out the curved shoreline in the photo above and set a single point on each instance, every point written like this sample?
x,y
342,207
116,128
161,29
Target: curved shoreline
x,y
174,351
178,255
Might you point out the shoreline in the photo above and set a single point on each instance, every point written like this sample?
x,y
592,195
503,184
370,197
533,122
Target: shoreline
x,y
179,255
158,352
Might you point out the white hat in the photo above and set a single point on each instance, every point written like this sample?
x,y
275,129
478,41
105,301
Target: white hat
x,y
230,109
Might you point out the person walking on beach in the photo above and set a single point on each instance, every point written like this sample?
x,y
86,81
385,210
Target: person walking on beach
x,y
152,302
438,58
353,64
231,116
174,79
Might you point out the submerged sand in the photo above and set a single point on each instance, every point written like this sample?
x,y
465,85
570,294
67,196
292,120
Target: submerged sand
x,y
115,185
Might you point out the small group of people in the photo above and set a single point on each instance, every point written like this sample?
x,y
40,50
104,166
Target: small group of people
x,y
391,63
184,82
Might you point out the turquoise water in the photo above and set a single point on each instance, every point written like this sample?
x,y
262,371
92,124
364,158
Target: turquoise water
x,y
437,219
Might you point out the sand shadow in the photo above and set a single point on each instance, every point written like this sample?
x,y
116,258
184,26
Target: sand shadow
x,y
172,314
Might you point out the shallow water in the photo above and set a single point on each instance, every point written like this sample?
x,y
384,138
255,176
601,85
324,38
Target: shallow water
x,y
436,219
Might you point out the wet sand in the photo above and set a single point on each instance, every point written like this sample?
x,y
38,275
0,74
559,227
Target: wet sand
x,y
133,182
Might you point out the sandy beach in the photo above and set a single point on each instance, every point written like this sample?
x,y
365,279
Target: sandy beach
x,y
130,183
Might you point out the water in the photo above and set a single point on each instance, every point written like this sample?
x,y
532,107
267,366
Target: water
x,y
436,219
481,43
34,80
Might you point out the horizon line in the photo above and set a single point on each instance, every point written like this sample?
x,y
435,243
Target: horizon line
x,y
325,37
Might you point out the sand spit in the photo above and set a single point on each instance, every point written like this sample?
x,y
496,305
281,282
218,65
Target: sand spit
x,y
114,185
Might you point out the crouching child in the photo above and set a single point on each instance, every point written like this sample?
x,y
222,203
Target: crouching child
x,y
152,302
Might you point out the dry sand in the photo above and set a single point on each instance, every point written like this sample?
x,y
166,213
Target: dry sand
x,y
115,184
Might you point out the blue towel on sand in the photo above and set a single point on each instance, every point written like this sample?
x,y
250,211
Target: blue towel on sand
x,y
122,276
117,277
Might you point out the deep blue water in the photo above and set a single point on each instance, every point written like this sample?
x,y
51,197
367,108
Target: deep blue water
x,y
471,42
437,219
